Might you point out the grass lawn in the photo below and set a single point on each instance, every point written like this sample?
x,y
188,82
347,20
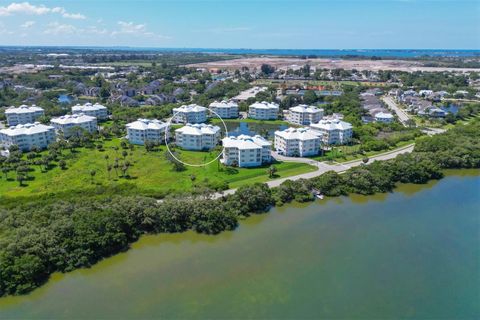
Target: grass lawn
x,y
349,153
150,173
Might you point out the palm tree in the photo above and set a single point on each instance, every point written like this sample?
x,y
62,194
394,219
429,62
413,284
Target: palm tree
x,y
20,178
116,166
109,168
92,174
271,171
5,171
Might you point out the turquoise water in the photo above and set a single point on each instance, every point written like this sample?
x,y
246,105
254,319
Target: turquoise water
x,y
410,254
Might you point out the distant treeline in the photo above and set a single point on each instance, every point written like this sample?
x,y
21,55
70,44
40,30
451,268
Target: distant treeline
x,y
47,235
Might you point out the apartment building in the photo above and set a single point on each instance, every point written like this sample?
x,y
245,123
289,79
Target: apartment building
x,y
384,117
246,151
333,131
263,111
94,110
143,130
65,124
190,114
25,136
23,114
304,115
197,136
297,142
225,109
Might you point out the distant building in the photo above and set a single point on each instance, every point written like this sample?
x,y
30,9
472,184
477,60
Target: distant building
x,y
190,114
246,151
334,131
263,111
304,115
25,136
433,112
23,114
297,142
94,110
143,130
65,124
225,109
384,117
197,136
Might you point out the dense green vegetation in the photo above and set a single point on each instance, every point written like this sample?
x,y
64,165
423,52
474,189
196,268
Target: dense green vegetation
x,y
49,234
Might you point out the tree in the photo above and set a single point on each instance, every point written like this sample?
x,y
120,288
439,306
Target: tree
x,y
310,97
124,154
109,169
5,171
267,69
116,166
62,164
20,178
271,171
92,174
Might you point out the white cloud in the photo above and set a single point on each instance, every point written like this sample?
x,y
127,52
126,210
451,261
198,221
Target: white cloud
x,y
27,24
77,16
30,9
130,28
56,29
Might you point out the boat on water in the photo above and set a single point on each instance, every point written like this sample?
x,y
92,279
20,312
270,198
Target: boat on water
x,y
318,194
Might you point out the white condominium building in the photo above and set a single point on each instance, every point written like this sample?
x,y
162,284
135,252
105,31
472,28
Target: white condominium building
x,y
190,114
23,114
384,117
95,110
297,142
66,123
263,111
246,151
334,131
197,136
25,136
225,109
143,130
304,115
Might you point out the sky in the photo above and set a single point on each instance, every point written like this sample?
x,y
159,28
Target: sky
x,y
256,24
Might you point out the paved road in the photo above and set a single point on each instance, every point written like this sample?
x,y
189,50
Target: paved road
x,y
402,115
324,167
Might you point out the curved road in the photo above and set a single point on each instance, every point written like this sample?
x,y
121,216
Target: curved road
x,y
324,167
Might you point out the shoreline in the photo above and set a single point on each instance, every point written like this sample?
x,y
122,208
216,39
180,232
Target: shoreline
x,y
357,199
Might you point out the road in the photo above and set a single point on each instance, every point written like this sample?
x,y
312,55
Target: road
x,y
324,167
402,115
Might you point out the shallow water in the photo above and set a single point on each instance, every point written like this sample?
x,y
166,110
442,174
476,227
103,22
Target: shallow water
x,y
409,254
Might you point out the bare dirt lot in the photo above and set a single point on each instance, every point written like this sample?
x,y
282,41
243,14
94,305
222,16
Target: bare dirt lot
x,y
284,63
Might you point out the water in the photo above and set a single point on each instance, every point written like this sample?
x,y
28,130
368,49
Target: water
x,y
64,98
266,130
453,109
393,53
410,254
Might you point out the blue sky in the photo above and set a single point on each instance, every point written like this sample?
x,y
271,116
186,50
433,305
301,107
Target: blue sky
x,y
268,24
